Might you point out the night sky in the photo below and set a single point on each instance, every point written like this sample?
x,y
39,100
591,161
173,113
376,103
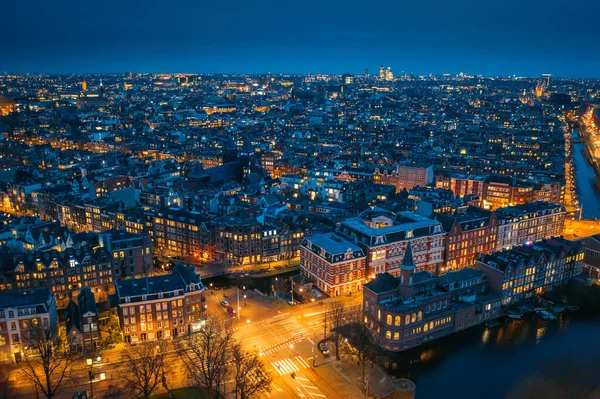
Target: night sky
x,y
524,37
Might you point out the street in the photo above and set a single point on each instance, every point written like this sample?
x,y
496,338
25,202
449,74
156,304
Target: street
x,y
285,336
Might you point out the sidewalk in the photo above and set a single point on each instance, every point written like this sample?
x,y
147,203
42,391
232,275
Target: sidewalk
x,y
343,377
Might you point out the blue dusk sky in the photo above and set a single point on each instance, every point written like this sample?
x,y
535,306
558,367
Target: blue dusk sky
x,y
524,37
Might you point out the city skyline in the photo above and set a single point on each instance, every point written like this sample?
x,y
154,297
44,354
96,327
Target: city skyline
x,y
524,40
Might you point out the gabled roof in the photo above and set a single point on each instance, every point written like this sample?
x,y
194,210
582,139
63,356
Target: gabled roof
x,y
86,301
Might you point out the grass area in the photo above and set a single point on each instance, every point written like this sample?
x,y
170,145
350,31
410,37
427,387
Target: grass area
x,y
185,393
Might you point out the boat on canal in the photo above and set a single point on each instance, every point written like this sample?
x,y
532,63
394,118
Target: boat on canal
x,y
545,315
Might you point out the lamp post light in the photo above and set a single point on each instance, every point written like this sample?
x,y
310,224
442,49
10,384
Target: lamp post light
x,y
90,363
245,304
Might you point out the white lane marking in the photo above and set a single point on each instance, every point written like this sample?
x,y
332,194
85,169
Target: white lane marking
x,y
302,361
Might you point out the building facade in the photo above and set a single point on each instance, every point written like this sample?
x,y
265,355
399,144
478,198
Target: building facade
x,y
384,237
469,233
416,307
178,232
529,222
20,314
533,269
405,176
65,273
160,307
591,260
334,264
131,253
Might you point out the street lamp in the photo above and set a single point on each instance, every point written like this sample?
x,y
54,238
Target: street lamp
x,y
90,363
245,300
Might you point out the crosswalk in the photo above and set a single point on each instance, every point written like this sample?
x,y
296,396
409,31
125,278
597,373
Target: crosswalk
x,y
289,365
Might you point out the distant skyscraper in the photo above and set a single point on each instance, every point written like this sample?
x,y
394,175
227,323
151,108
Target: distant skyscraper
x,y
382,72
366,73
84,85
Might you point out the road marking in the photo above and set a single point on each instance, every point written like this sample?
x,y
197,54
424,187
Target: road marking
x,y
313,314
310,340
285,366
302,361
310,386
303,379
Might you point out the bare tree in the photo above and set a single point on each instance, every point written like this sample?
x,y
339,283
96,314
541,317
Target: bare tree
x,y
206,354
47,361
250,375
336,317
143,367
359,341
5,385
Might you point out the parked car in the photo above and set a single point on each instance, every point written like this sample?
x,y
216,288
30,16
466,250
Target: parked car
x,y
224,303
230,311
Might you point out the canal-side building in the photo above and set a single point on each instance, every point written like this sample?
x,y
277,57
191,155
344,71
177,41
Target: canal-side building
x,y
531,269
591,259
335,265
415,307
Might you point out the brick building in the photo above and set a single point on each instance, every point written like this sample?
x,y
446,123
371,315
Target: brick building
x,y
591,260
461,185
405,176
64,272
158,307
469,233
181,233
131,253
20,313
528,270
82,324
246,240
529,222
416,306
335,265
384,236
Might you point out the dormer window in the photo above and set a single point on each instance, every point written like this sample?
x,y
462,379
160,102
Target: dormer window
x,y
127,299
409,234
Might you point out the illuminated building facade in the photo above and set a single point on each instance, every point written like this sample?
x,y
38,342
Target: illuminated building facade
x,y
529,222
384,236
532,269
335,265
161,307
416,307
405,176
20,314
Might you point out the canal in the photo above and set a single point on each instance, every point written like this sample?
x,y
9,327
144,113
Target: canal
x,y
511,361
588,194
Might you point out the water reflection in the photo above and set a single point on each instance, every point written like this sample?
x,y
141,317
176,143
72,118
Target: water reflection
x,y
589,197
471,360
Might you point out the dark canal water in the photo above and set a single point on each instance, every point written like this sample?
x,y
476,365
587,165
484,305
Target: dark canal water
x,y
516,358
588,194
500,362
